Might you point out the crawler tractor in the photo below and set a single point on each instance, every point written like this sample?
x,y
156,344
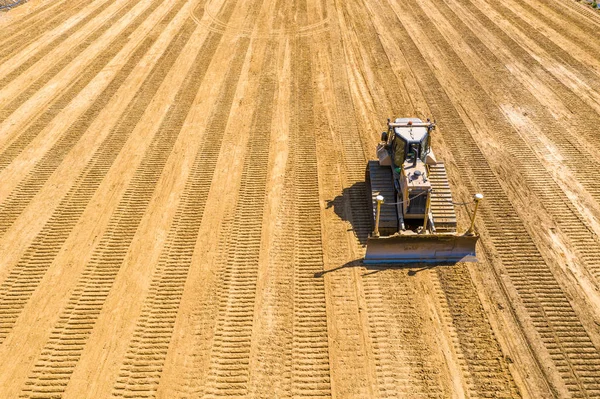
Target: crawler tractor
x,y
414,218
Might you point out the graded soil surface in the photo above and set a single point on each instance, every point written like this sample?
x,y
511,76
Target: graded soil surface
x,y
183,213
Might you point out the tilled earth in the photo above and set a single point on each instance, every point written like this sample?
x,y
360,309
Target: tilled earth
x,y
182,198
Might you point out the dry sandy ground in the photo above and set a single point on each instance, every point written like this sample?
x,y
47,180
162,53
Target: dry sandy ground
x,y
182,198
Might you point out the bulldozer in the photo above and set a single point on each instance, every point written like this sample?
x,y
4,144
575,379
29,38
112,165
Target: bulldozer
x,y
414,218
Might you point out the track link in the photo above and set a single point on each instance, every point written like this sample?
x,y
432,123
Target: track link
x,y
381,182
442,208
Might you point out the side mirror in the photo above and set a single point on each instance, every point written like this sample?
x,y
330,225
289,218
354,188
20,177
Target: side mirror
x,y
384,137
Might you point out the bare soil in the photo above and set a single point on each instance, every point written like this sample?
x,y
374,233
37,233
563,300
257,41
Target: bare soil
x,y
182,199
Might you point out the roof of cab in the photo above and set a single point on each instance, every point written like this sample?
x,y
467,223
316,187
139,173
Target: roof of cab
x,y
409,133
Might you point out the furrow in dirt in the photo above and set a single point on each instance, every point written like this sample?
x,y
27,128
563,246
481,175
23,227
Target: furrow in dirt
x,y
310,355
141,371
568,24
571,92
271,360
16,146
23,279
41,80
201,179
43,12
20,198
560,330
37,29
469,324
336,130
24,58
69,335
536,178
591,16
406,366
228,374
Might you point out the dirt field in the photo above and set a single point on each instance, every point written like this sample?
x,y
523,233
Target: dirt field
x,y
182,206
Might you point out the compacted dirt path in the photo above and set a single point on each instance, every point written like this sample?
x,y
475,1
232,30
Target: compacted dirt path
x,y
182,199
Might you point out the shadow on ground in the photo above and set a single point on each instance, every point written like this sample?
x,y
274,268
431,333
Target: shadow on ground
x,y
352,206
412,268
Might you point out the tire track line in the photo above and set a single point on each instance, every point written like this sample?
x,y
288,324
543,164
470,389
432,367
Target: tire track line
x,y
15,141
230,356
473,368
39,30
551,314
352,363
12,207
23,279
270,360
310,346
400,364
44,203
405,365
43,91
551,196
583,10
142,369
574,63
201,286
15,28
557,18
376,375
177,256
571,84
467,322
19,84
529,22
61,353
271,351
21,59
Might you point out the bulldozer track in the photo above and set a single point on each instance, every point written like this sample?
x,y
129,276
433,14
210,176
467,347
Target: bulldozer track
x,y
517,37
78,318
20,98
549,13
583,10
145,357
15,29
26,275
343,172
18,69
17,41
200,182
229,371
310,355
392,318
406,318
487,370
183,212
17,201
17,145
551,313
555,201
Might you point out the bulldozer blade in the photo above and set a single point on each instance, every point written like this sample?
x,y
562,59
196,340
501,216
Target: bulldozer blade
x,y
419,248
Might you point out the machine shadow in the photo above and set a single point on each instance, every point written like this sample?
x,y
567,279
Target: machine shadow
x,y
352,206
412,269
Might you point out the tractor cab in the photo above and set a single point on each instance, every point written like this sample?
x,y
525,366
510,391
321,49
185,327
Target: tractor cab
x,y
410,140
